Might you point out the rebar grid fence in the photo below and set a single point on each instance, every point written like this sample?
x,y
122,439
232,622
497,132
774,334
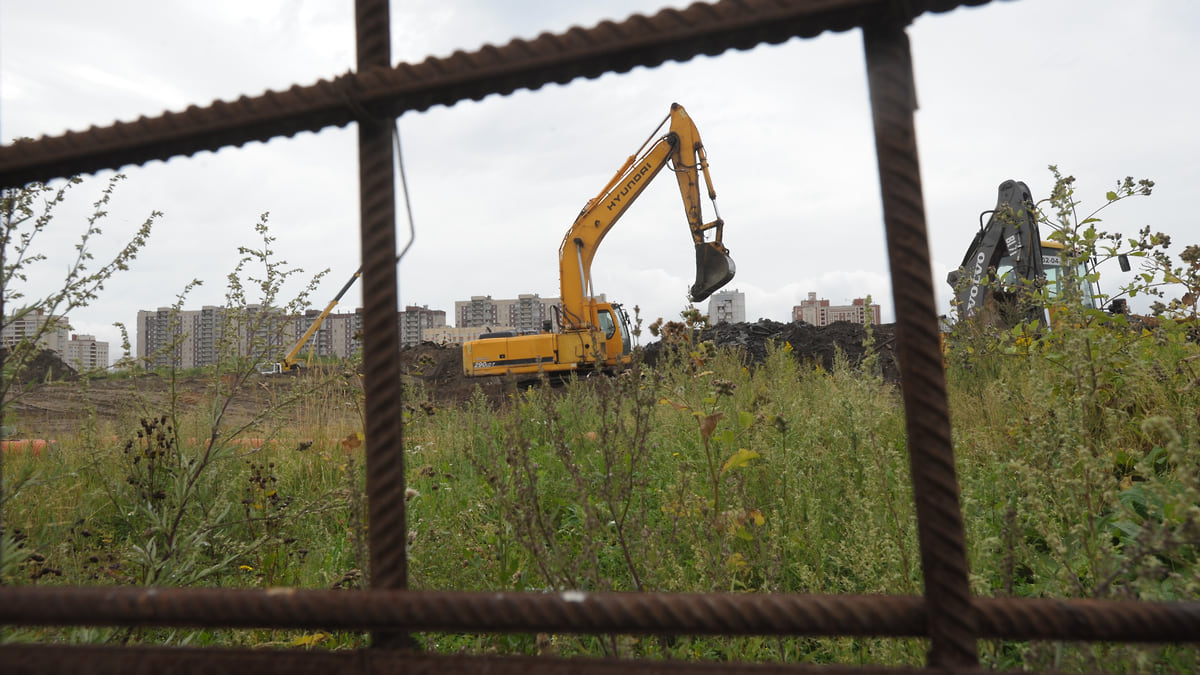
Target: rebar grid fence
x,y
946,615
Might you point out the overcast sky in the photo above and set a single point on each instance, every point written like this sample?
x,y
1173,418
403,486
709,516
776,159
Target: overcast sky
x,y
1103,88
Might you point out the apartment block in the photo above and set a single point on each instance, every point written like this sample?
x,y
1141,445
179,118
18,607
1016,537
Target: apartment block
x,y
528,313
84,352
524,313
727,306
195,338
418,322
819,312
345,333
54,331
478,312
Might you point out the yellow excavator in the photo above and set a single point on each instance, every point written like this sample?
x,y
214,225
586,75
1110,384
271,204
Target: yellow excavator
x,y
588,334
291,361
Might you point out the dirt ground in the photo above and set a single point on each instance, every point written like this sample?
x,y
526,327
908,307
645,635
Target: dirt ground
x,y
57,405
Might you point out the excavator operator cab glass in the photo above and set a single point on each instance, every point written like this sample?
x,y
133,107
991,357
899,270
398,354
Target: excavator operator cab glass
x,y
1052,265
607,324
623,324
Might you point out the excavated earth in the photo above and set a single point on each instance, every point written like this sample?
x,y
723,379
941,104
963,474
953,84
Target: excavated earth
x,y
438,369
54,401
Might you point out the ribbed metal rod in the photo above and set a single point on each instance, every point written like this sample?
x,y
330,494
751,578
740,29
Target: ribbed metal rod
x,y
498,612
381,331
732,614
926,411
521,64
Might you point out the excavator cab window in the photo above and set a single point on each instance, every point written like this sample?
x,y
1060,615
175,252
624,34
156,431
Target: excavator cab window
x,y
623,323
1052,265
607,324
1055,279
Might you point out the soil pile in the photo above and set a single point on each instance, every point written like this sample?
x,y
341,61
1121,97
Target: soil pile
x,y
810,344
46,366
438,369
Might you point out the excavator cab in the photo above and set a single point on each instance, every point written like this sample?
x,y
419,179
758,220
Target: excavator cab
x,y
614,330
1060,269
714,269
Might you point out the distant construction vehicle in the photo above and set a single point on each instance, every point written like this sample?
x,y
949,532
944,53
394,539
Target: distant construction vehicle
x,y
592,334
1007,258
291,361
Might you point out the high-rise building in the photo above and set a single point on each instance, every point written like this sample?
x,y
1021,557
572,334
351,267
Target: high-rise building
x,y
84,352
195,338
528,313
478,312
819,312
727,307
417,322
51,332
524,313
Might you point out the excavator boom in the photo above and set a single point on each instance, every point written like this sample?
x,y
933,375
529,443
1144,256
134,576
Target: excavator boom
x,y
682,150
1011,232
1008,259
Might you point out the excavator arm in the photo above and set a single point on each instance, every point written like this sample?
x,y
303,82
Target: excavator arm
x,y
1012,230
681,149
290,361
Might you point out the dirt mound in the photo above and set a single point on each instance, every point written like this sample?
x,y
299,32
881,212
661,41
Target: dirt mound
x,y
46,366
810,344
438,368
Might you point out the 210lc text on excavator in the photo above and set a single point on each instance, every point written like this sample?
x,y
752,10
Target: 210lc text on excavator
x,y
586,333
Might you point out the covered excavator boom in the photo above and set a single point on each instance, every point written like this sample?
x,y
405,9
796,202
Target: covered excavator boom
x,y
1012,231
681,149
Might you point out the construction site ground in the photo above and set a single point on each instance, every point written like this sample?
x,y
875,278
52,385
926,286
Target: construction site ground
x,y
58,403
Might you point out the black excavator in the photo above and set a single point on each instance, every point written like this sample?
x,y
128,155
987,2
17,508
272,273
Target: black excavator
x,y
1007,260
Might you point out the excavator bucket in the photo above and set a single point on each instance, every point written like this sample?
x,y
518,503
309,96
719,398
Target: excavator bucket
x,y
714,269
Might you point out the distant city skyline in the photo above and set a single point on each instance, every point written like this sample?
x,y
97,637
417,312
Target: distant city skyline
x,y
196,332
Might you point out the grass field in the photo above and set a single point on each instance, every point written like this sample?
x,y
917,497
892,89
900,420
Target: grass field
x,y
1077,459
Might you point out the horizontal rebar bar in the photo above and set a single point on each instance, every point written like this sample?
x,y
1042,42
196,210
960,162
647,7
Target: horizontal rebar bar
x,y
677,35
575,612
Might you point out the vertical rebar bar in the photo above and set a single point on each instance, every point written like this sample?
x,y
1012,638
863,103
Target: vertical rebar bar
x,y
935,486
381,333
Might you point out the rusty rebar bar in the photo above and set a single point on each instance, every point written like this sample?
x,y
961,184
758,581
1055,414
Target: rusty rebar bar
x,y
926,411
381,330
650,613
677,35
712,614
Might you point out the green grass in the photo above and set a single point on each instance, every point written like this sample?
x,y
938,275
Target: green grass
x,y
1076,463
